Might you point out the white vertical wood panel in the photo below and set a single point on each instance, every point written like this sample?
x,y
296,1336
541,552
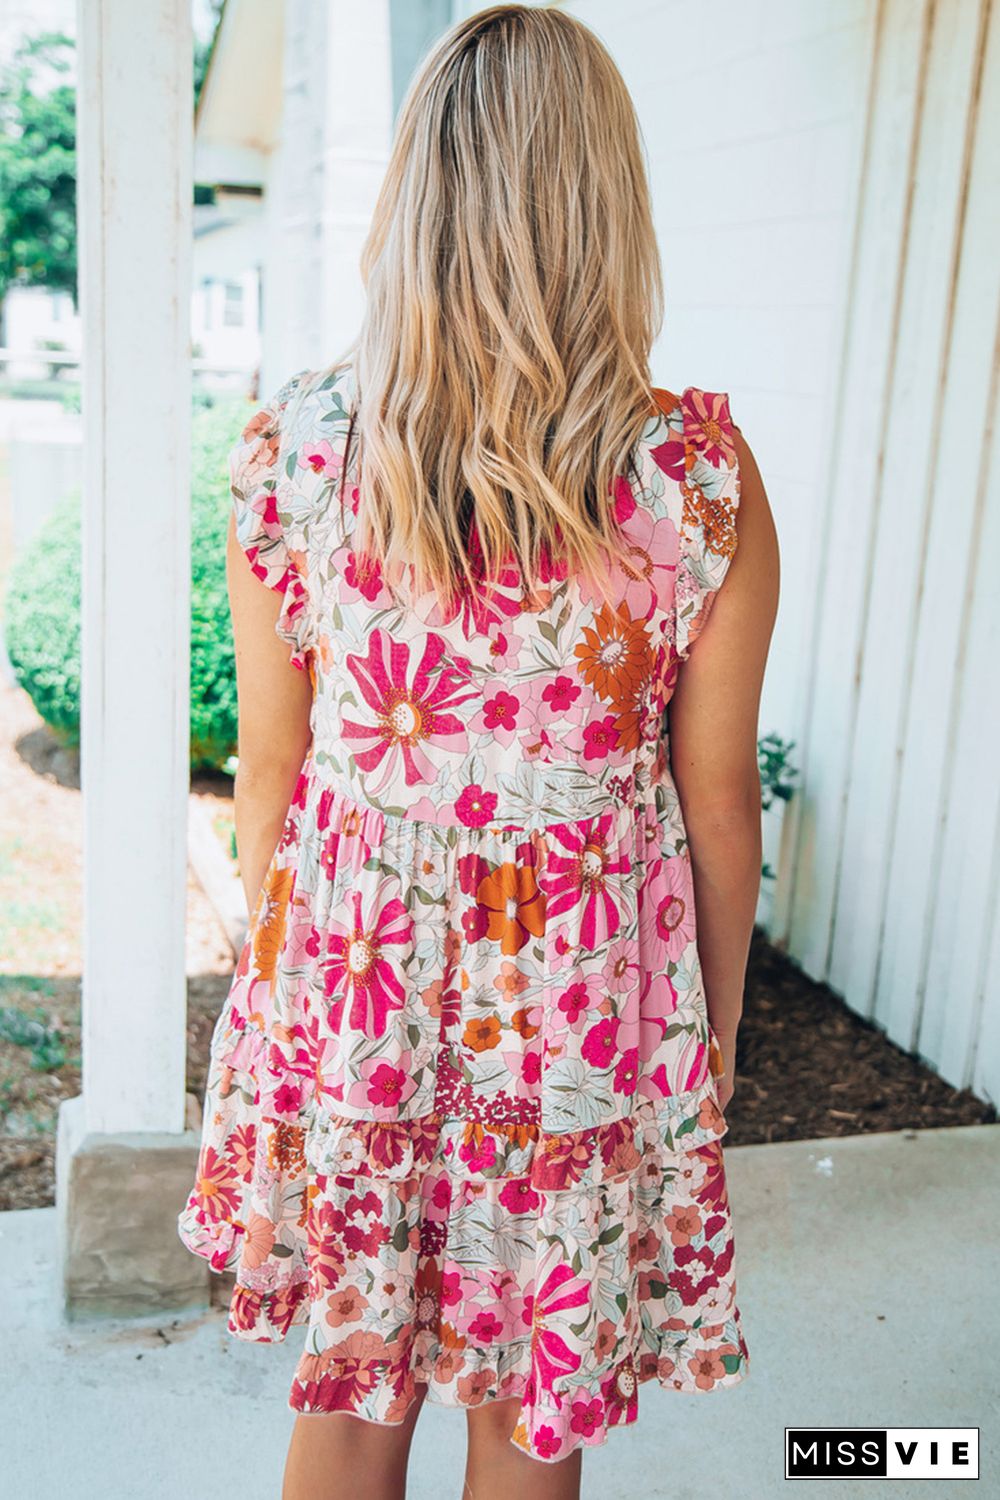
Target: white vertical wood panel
x,y
986,1066
948,794
845,547
134,204
888,666
958,1025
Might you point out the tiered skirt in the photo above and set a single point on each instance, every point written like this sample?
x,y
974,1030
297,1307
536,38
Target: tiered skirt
x,y
461,1120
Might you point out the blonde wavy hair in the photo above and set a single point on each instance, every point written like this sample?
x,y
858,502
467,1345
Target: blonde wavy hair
x,y
513,294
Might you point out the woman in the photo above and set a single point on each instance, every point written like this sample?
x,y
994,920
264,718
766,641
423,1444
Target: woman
x,y
466,1096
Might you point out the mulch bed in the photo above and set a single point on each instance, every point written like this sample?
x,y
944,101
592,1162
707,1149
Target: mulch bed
x,y
808,1067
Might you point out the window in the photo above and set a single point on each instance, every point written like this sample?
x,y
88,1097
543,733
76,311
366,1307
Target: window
x,y
232,307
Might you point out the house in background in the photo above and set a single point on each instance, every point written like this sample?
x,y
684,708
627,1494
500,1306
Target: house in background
x,y
824,179
226,291
297,107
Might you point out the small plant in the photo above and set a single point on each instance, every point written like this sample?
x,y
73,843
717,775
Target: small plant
x,y
776,776
34,1032
776,769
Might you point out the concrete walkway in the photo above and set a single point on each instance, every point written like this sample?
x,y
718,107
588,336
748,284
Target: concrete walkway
x,y
869,1275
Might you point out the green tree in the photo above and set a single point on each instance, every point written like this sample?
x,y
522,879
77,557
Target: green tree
x,y
204,41
38,167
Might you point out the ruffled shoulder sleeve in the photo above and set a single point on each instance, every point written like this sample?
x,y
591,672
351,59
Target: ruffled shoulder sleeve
x,y
710,487
276,555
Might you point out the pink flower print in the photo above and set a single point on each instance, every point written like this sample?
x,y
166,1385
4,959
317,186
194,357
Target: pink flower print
x,y
450,1292
475,807
687,587
600,738
518,1196
584,877
407,715
627,1072
671,456
485,1327
288,1099
563,948
485,609
321,459
552,1357
479,1154
525,1070
666,910
561,694
601,1042
498,718
386,1088
475,923
621,968
505,648
708,425
578,999
472,871
359,576
328,854
587,1416
653,549
546,1442
650,1007
625,506
364,575
357,966
539,739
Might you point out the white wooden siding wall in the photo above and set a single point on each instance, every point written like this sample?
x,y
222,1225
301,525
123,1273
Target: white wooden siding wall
x,y
826,188
893,883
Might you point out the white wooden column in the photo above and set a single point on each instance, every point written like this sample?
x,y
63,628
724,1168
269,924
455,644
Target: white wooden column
x,y
135,148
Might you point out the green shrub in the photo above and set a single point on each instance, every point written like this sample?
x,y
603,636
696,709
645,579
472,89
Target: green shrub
x,y
213,665
42,606
42,619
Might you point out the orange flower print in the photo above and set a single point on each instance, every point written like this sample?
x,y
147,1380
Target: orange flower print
x,y
262,436
482,1034
510,981
715,515
270,912
345,1306
684,1224
514,905
707,1366
614,654
257,1242
451,1360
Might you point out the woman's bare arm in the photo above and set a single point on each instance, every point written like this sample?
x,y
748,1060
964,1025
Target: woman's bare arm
x,y
713,730
274,702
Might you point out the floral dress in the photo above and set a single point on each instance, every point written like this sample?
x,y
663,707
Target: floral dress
x,y
461,1117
